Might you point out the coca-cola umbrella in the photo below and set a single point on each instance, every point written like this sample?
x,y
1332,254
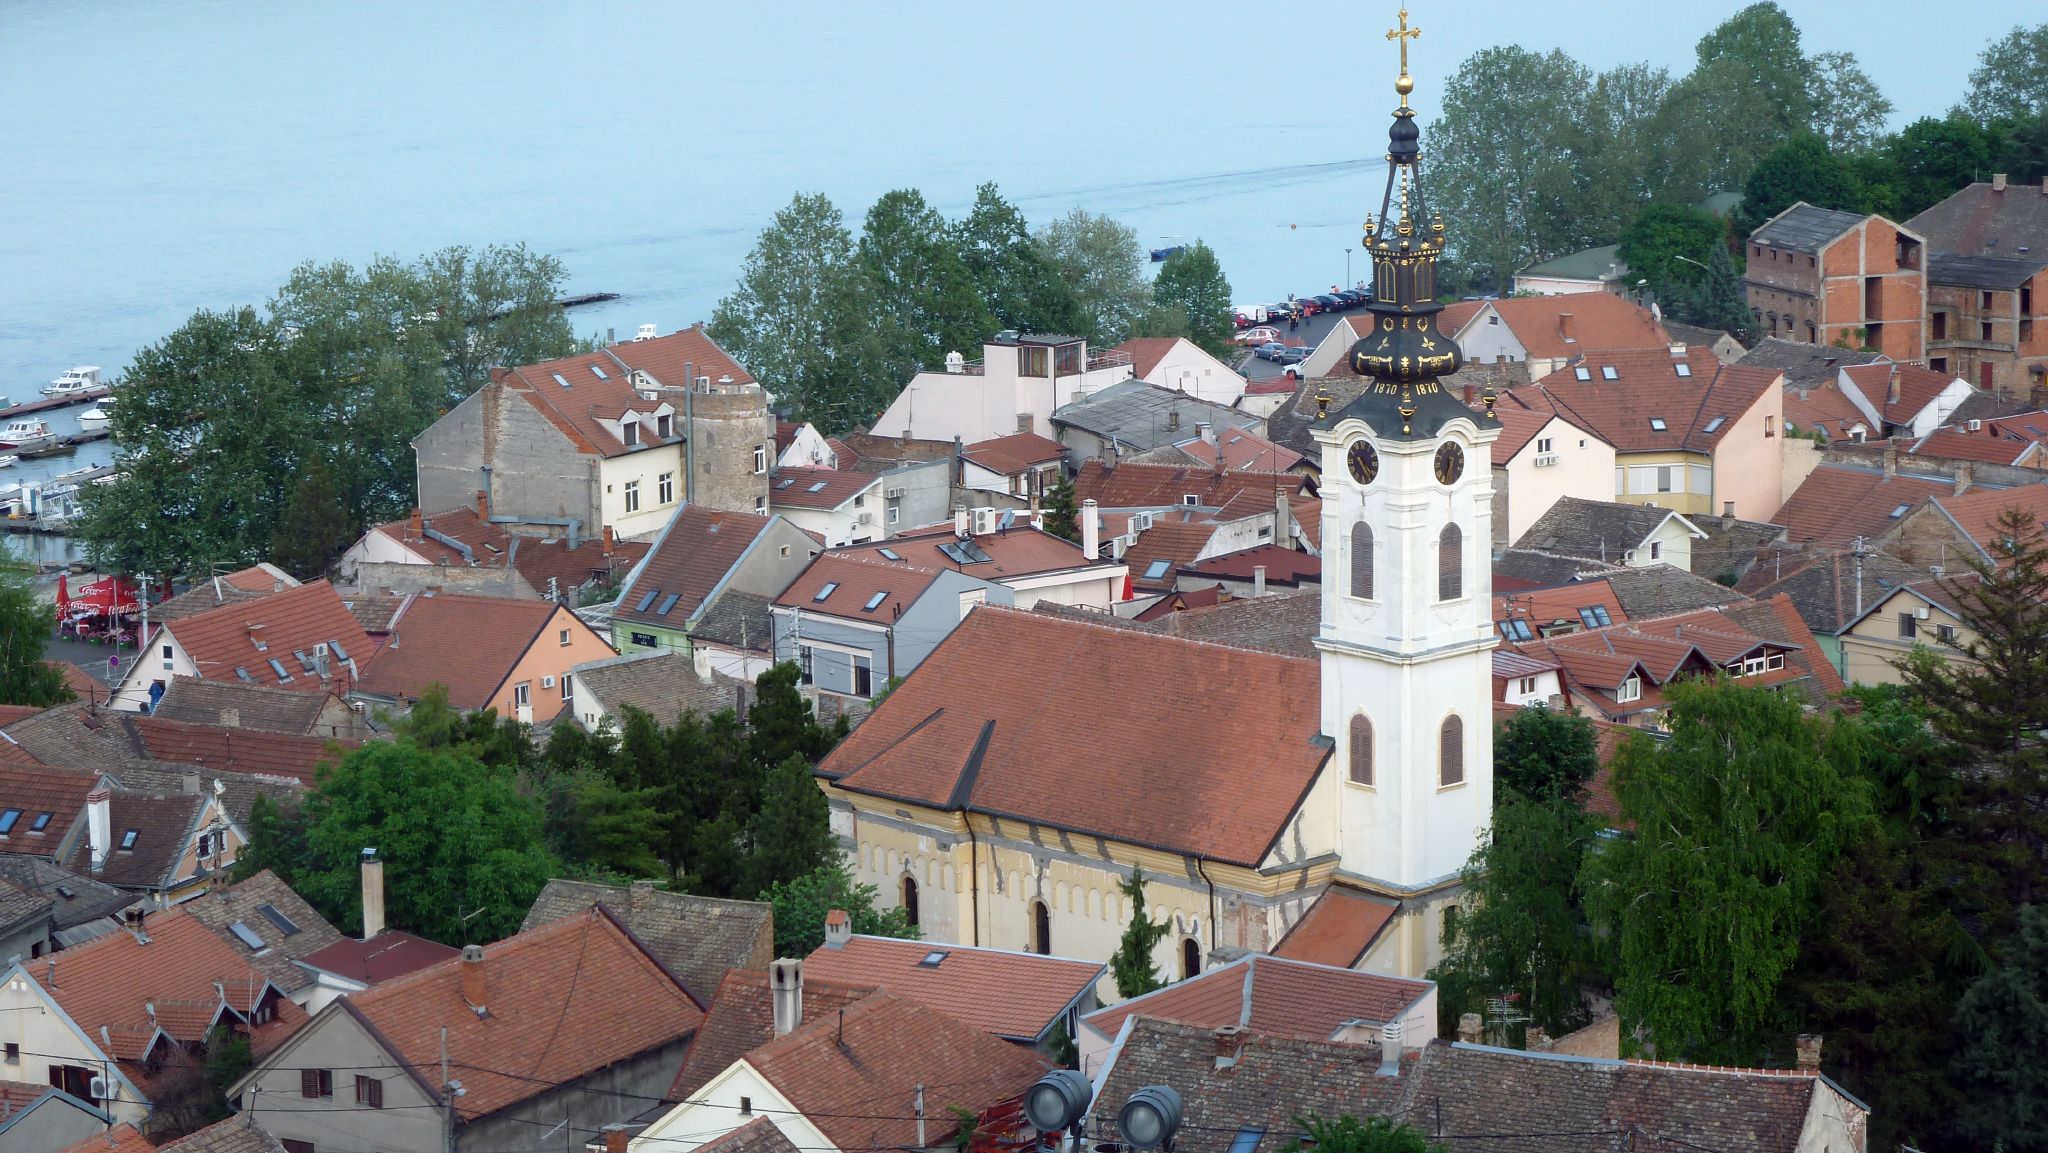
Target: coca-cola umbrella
x,y
106,597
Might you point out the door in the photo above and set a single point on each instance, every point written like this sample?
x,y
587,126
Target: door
x,y
1984,377
522,701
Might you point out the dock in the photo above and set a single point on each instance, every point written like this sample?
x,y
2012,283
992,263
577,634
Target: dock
x,y
34,526
55,402
68,443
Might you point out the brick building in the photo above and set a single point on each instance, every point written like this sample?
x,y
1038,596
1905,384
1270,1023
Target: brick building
x,y
1987,285
1828,277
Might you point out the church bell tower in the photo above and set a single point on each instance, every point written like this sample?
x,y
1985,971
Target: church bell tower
x,y
1406,635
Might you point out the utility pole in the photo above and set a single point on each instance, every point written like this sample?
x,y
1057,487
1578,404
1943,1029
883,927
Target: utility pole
x,y
689,433
1858,553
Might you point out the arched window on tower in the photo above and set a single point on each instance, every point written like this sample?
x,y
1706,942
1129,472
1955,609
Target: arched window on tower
x,y
1450,752
1190,958
1361,750
1361,560
910,900
1450,563
1041,928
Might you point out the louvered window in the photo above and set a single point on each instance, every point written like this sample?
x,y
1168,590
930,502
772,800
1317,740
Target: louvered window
x,y
1361,750
369,1091
1361,560
1450,564
316,1082
1450,753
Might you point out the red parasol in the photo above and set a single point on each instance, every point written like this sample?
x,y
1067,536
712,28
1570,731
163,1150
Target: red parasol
x,y
108,596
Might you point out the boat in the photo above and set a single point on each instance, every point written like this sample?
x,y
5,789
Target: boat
x,y
27,435
95,419
9,461
1159,256
84,378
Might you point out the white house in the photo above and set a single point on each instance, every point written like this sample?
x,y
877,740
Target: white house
x,y
1177,363
1540,457
1634,535
803,446
1903,399
1014,387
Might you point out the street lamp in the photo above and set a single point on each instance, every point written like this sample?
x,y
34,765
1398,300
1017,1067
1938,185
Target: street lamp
x,y
1347,267
1691,261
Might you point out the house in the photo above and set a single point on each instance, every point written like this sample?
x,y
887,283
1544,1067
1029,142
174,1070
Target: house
x,y
80,907
1548,332
468,550
1689,433
257,709
1135,417
252,583
1903,399
698,939
1717,341
1824,410
854,625
1023,466
1829,589
344,966
746,1013
802,446
271,926
1033,564
28,922
1540,458
1839,278
1806,365
1839,503
1955,527
1521,681
488,652
1984,442
613,438
303,639
164,847
1598,269
1178,363
118,1020
663,683
1020,997
1613,533
1988,285
1238,450
1245,1091
472,1053
819,1082
46,1119
1574,606
702,561
1015,387
1903,619
835,506
42,811
1332,354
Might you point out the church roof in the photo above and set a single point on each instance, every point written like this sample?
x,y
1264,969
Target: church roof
x,y
1029,716
1423,413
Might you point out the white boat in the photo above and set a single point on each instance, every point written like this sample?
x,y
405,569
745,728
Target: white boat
x,y
9,461
27,434
95,419
84,378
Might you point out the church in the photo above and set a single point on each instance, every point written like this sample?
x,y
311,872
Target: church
x,y
1319,805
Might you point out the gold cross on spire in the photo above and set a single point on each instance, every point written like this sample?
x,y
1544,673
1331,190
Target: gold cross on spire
x,y
1402,35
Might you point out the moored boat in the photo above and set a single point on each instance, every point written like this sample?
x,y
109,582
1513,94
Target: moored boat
x,y
84,378
27,435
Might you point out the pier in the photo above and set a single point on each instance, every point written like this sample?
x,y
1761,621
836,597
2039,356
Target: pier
x,y
48,404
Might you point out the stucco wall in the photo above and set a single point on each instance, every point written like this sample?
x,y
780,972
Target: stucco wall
x,y
1584,468
409,1122
53,1124
546,657
48,1039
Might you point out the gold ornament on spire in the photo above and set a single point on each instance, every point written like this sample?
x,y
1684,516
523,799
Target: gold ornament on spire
x,y
1404,84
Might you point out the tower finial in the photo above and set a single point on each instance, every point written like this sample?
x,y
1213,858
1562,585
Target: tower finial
x,y
1404,83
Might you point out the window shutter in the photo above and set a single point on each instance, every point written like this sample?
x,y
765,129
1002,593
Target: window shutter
x,y
1361,750
309,1082
1361,560
369,1091
1450,753
1450,564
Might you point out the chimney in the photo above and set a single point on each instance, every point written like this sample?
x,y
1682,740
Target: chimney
x,y
1259,580
1891,388
1219,469
1535,1040
1229,1041
231,718
473,980
1206,431
1728,509
838,929
960,521
1091,529
610,542
1998,182
786,987
616,1137
1966,475
99,825
1390,1049
1564,325
1807,1045
1283,518
1891,458
373,893
1025,423
419,525
1471,394
1469,1028
1173,420
483,504
700,662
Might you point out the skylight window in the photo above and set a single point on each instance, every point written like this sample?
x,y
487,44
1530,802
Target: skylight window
x,y
128,839
1582,373
598,372
41,822
785,482
830,588
1515,629
1608,372
277,666
1656,424
284,924
874,602
1682,369
247,936
646,600
337,649
560,379
243,674
7,820
1157,569
932,959
1899,512
1247,1140
890,554
1595,617
1715,424
668,602
816,486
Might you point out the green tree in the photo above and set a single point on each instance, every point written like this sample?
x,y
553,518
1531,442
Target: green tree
x,y
790,835
1620,174
26,625
1849,112
921,299
1099,259
1061,513
801,905
1023,289
1799,169
1191,285
609,830
2004,1061
277,841
1347,1134
1738,821
1933,158
788,317
2023,151
2011,77
1669,246
1718,301
1132,965
1544,753
313,528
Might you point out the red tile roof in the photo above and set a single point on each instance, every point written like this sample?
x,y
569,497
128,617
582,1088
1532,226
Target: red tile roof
x,y
1977,512
1147,351
1599,321
1984,447
825,488
1284,566
1158,485
1180,602
1019,552
36,791
582,971
286,623
1835,505
1696,410
692,555
574,409
1826,409
1917,388
1273,996
122,1138
1559,605
988,722
1013,454
387,956
468,644
1176,539
239,750
1338,928
855,581
1016,996
1456,315
742,1018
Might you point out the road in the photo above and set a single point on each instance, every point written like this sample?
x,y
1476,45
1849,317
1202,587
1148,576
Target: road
x,y
1311,333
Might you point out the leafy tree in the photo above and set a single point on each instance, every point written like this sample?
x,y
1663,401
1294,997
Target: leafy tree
x,y
801,905
313,528
433,723
791,833
1738,821
1347,1134
2023,153
277,841
2004,1062
25,629
1621,175
1061,513
1132,965
1544,753
921,299
1099,259
1669,246
1061,1048
1933,158
1023,289
1191,285
610,830
787,318
2011,77
1848,110
1799,169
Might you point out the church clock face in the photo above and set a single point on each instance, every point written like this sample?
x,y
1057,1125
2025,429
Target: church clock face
x,y
1364,462
1450,462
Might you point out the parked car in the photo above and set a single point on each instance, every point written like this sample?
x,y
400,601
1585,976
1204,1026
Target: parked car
x,y
1269,351
1329,303
1293,354
1306,306
1354,297
1253,337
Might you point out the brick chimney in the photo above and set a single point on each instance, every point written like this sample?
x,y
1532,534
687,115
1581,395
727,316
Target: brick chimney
x,y
373,893
786,988
1998,182
1891,458
1283,518
419,525
473,992
483,504
1229,1043
1807,1045
1891,386
617,1137
838,928
1469,1028
610,542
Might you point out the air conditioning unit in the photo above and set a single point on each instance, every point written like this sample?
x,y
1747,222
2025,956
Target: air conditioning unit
x,y
893,493
100,1089
984,521
1546,460
864,518
547,682
1921,612
1141,521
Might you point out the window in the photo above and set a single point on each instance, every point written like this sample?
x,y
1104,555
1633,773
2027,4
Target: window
x,y
369,1091
1361,750
1770,426
1041,929
910,900
760,506
1657,424
1450,563
128,840
316,1083
1031,362
863,677
7,819
825,593
895,514
41,822
760,459
1683,369
1450,752
665,425
1526,687
13,1053
874,602
1946,634
665,488
629,433
1630,690
1607,372
167,652
1543,444
1190,958
632,496
1361,560
1909,626
1515,629
1939,322
1582,373
1656,550
1191,500
568,693
1157,569
563,638
522,695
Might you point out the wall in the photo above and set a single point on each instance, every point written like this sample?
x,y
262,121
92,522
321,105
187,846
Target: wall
x,y
2017,348
1693,491
1748,460
414,577
47,1038
548,656
1485,339
409,1122
1872,647
132,693
729,423
1186,368
718,1112
807,449
834,642
1584,468
1547,686
21,944
536,472
54,1124
647,467
1526,285
926,498
374,548
610,1095
842,525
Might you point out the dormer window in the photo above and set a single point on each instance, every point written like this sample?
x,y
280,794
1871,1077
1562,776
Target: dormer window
x,y
1630,690
629,432
664,426
1191,500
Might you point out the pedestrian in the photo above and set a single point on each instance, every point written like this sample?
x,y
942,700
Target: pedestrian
x,y
1293,321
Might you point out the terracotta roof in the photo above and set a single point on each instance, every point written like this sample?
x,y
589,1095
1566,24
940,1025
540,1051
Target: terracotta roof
x,y
1010,455
824,488
252,583
387,956
373,610
1574,605
1918,388
1272,996
240,750
164,826
987,722
1147,351
1173,543
1456,315
1016,996
542,559
1696,410
1290,424
574,407
1977,511
37,791
1338,928
698,938
694,553
254,708
757,1136
583,969
1241,449
1599,321
1824,408
469,644
1989,447
269,912
1836,504
742,1018
1158,485
122,1138
487,543
83,685
1019,551
223,643
881,1048
1285,567
843,585
237,1134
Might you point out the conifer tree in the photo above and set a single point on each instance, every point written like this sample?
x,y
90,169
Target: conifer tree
x,y
1132,965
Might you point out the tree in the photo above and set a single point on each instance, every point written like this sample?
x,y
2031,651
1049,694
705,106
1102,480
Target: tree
x,y
25,627
2023,153
1061,515
1718,302
1849,112
1738,821
1023,289
609,830
277,841
1618,177
313,528
786,319
1933,158
1746,95
790,835
801,905
1543,753
2004,1061
1347,1134
2011,77
1100,261
1669,246
1191,284
1799,169
921,300
1132,964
